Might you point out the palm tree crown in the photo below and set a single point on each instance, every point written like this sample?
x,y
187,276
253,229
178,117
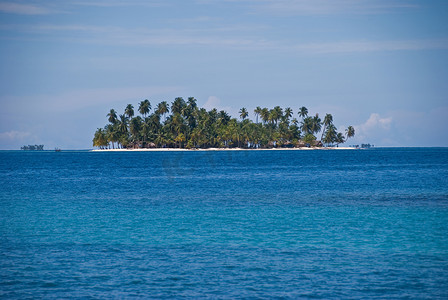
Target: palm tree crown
x,y
264,114
243,113
316,124
257,112
112,116
328,120
144,107
303,112
162,108
288,113
178,106
129,111
192,102
350,132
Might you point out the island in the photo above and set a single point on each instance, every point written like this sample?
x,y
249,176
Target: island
x,y
183,125
32,148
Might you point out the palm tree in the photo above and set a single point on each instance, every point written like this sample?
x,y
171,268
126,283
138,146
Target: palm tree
x,y
112,116
283,130
178,105
111,134
349,132
100,139
178,124
327,121
162,108
277,114
330,135
192,102
294,129
303,112
272,116
154,121
122,129
307,125
288,113
257,112
129,111
264,115
144,107
123,141
223,118
190,112
160,139
243,113
135,126
245,128
339,139
309,139
316,124
145,130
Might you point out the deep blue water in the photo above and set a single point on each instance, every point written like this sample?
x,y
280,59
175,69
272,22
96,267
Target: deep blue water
x,y
234,224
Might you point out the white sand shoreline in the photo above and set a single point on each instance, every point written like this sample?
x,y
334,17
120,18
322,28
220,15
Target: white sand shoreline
x,y
220,149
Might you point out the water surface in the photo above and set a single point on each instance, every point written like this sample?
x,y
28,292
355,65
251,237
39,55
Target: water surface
x,y
292,224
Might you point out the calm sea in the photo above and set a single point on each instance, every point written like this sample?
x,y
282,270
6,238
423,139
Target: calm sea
x,y
229,224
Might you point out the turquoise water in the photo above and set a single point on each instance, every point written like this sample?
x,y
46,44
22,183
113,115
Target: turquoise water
x,y
230,224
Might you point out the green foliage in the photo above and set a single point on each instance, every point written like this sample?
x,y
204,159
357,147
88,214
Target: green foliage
x,y
129,111
144,107
100,139
350,132
309,139
192,127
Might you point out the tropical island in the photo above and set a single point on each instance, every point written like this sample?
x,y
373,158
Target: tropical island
x,y
32,148
191,127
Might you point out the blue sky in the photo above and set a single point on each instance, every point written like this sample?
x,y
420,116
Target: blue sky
x,y
381,66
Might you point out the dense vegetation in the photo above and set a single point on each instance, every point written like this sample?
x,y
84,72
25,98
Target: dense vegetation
x,y
33,147
189,126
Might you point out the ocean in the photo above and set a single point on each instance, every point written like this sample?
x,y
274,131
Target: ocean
x,y
225,224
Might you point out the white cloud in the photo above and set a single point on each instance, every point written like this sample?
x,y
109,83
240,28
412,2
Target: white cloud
x,y
13,135
214,102
23,9
239,37
370,46
119,3
376,121
227,36
321,7
404,128
375,129
324,7
52,7
14,139
278,7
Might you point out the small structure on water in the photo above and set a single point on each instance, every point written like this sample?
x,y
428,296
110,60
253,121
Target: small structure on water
x,y
363,146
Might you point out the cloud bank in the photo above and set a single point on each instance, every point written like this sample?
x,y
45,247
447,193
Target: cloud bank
x,y
23,9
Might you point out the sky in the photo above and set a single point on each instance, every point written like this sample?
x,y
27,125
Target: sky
x,y
380,66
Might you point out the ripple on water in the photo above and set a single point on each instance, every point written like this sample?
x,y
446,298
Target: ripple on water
x,y
289,224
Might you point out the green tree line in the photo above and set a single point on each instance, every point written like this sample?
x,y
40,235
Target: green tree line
x,y
182,124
